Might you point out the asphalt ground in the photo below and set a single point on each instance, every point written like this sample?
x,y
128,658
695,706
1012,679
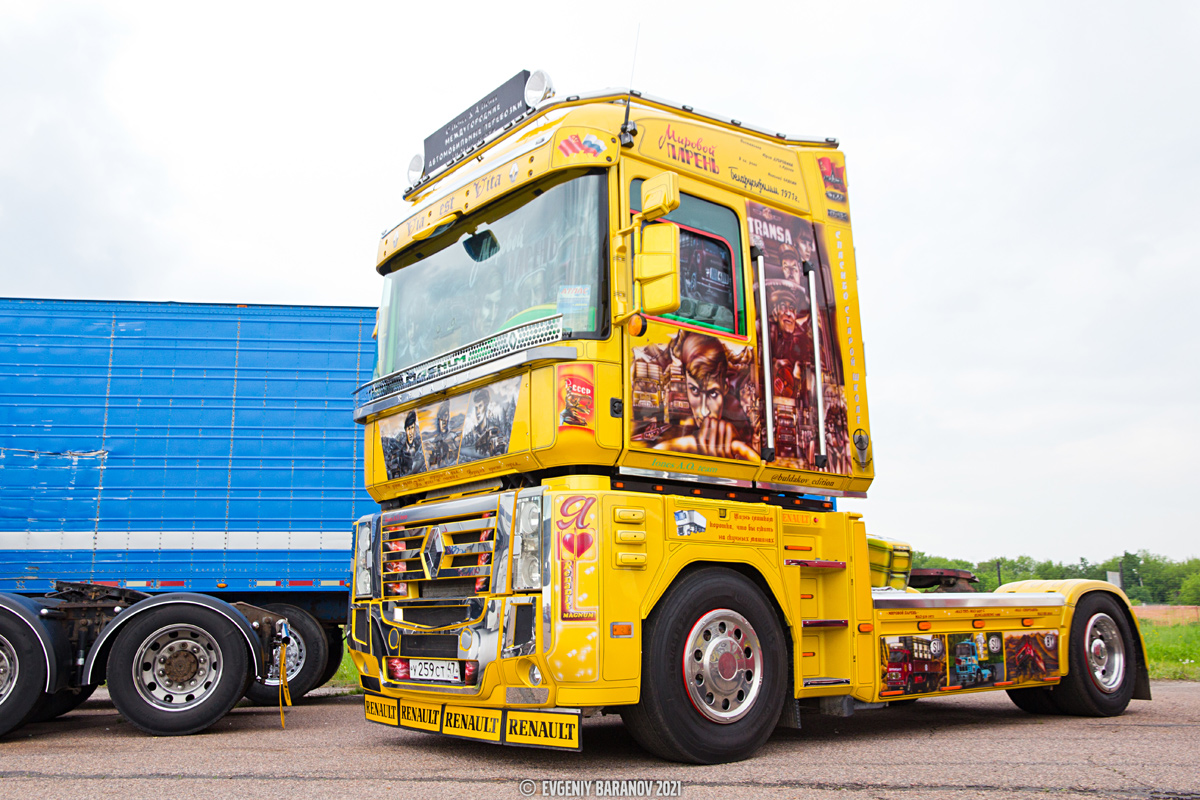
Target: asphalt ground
x,y
969,746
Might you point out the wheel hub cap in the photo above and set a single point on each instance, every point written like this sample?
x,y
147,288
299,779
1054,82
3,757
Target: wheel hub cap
x,y
177,667
722,666
9,668
1105,653
297,651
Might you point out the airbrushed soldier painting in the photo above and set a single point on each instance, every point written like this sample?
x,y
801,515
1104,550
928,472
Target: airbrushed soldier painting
x,y
489,421
432,437
442,443
403,455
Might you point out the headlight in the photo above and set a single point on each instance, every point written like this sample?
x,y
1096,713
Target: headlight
x,y
527,544
364,560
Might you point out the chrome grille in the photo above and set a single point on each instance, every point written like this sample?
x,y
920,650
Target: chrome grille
x,y
445,557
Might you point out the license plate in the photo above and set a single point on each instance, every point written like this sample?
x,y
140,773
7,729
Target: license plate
x,y
424,670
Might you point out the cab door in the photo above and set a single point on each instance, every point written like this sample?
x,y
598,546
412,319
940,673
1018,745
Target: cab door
x,y
694,375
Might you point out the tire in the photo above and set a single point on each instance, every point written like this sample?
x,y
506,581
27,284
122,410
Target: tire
x,y
1035,700
22,674
720,615
62,702
307,656
337,649
200,657
1103,658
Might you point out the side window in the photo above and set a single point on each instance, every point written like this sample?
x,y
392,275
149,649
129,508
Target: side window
x,y
710,262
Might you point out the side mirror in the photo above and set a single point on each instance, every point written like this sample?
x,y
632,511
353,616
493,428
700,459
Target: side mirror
x,y
656,267
660,196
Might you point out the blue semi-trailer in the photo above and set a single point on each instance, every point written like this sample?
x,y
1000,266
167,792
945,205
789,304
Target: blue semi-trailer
x,y
176,481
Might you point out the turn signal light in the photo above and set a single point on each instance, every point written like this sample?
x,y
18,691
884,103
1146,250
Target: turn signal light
x,y
978,623
924,626
621,630
865,627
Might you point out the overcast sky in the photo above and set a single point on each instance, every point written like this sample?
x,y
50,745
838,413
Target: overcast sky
x,y
1023,181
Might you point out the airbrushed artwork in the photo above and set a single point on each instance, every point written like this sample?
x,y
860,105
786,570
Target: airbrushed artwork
x,y
697,394
913,664
1031,655
466,428
789,243
975,659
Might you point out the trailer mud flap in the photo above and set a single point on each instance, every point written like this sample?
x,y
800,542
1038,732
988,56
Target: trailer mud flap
x,y
555,730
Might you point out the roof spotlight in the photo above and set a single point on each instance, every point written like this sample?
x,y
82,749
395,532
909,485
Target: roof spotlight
x,y
538,88
416,168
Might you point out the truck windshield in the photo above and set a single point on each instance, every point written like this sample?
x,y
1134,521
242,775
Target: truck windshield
x,y
516,265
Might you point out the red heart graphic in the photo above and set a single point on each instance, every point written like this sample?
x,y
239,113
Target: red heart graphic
x,y
577,545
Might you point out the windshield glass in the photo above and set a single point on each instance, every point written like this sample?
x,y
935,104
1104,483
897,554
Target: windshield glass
x,y
517,265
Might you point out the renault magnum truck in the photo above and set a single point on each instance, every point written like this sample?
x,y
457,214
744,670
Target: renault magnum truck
x,y
620,388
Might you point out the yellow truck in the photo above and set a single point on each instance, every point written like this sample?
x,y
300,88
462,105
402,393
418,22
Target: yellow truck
x,y
620,388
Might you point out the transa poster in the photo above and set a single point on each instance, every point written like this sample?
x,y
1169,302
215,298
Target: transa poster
x,y
787,242
462,429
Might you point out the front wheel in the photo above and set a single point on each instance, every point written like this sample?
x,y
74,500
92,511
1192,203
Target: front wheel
x,y
177,669
714,671
1103,658
307,656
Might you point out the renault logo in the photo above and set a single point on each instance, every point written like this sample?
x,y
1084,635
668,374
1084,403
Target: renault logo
x,y
431,554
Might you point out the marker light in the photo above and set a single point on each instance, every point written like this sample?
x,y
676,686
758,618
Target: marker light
x,y
416,168
539,87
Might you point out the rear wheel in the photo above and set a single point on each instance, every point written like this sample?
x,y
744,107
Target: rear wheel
x,y
22,674
307,656
1103,660
62,702
714,669
176,670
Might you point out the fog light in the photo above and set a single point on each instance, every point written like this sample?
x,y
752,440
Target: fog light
x,y
535,675
397,668
396,589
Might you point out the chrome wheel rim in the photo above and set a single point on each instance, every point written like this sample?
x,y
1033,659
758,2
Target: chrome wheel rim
x,y
1105,653
10,668
296,653
722,666
177,667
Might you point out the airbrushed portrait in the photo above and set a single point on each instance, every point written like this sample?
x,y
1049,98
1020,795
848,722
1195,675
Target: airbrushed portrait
x,y
788,243
446,433
696,394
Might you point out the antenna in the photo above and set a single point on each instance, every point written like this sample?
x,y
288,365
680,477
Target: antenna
x,y
629,129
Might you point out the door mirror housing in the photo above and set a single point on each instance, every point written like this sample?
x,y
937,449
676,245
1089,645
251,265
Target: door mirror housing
x,y
656,268
660,196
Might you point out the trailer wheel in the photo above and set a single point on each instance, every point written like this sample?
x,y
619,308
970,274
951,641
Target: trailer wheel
x,y
337,649
61,702
1103,658
1035,700
22,674
714,670
177,669
306,656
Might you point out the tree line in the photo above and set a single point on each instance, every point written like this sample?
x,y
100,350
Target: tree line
x,y
1146,577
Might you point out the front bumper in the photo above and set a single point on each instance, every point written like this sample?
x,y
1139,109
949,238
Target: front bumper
x,y
556,729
